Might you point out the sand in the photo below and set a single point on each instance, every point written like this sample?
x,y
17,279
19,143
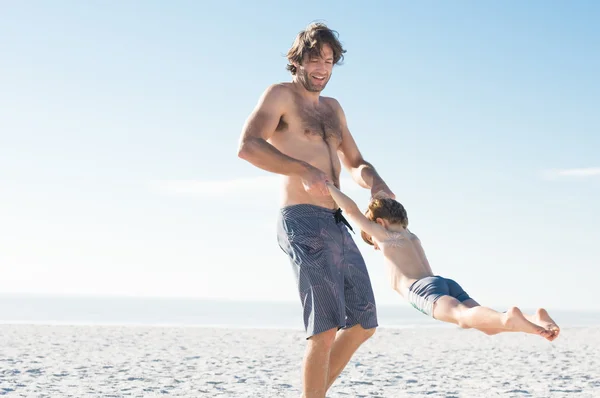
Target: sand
x,y
140,361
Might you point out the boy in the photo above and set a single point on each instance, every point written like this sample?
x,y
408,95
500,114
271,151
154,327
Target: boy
x,y
384,226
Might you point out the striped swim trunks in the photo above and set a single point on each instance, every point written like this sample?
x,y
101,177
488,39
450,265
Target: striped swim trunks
x,y
423,293
331,275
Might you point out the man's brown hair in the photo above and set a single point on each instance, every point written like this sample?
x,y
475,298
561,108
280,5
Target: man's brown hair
x,y
387,209
310,42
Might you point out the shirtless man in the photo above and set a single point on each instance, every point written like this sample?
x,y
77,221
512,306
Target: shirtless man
x,y
295,132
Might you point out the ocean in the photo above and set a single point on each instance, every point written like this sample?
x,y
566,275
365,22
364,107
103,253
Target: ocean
x,y
30,309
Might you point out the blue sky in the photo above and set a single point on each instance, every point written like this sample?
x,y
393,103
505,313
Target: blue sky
x,y
119,125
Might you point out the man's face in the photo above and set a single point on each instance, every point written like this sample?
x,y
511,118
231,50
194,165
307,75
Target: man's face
x,y
314,73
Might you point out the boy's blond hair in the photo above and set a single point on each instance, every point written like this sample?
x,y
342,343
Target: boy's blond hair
x,y
387,209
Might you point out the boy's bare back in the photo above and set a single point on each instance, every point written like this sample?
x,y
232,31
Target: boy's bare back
x,y
405,258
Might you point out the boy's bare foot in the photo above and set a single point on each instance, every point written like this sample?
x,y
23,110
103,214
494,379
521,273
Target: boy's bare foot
x,y
541,318
516,321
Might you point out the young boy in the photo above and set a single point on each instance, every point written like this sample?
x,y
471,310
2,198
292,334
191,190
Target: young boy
x,y
384,226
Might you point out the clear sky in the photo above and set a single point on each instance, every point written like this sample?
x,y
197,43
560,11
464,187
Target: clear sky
x,y
119,124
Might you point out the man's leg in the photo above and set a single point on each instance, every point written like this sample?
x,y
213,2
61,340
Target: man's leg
x,y
345,345
306,236
361,313
315,369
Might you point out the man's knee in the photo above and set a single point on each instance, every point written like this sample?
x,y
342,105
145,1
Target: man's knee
x,y
361,334
323,340
367,333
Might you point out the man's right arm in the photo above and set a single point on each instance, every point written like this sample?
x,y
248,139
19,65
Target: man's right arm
x,y
259,127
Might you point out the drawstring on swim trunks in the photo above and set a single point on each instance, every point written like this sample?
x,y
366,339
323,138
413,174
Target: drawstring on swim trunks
x,y
340,218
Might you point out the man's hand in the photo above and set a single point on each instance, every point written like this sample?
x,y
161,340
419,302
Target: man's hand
x,y
381,190
314,181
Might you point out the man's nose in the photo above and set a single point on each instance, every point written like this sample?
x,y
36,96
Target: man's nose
x,y
322,66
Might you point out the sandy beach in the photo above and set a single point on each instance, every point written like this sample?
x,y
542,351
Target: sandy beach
x,y
143,361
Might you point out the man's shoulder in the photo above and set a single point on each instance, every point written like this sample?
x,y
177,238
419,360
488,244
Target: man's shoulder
x,y
276,96
332,102
279,90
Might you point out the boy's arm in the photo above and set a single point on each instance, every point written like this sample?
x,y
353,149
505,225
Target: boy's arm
x,y
349,207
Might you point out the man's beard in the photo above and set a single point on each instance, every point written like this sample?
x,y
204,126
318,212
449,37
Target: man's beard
x,y
304,79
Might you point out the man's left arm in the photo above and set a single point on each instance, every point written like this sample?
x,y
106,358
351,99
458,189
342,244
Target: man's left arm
x,y
363,172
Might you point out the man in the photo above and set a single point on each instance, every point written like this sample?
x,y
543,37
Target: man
x,y
297,133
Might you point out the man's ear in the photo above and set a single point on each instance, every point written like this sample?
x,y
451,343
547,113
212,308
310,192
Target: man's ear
x,y
380,221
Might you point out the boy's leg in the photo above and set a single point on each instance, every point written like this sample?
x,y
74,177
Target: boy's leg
x,y
542,318
513,318
490,332
449,309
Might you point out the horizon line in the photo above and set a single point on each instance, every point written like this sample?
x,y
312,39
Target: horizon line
x,y
400,303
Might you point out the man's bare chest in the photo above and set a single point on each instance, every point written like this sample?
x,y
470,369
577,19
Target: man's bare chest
x,y
315,122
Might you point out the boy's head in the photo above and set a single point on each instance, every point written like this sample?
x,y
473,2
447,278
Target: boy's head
x,y
385,211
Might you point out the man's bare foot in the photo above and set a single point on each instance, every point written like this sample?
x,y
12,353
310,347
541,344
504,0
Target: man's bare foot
x,y
541,318
516,321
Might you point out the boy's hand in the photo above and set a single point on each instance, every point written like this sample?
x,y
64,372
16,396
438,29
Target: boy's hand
x,y
314,181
